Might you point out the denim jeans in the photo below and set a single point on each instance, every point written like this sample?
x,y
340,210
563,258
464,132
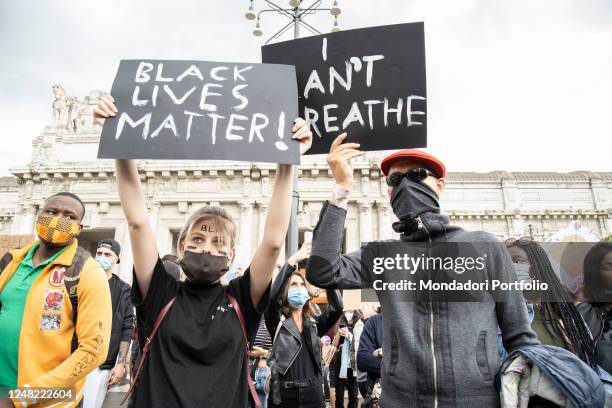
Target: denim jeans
x,y
260,382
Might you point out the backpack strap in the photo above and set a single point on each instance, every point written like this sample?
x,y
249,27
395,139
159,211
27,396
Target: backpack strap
x,y
238,311
72,276
4,261
145,349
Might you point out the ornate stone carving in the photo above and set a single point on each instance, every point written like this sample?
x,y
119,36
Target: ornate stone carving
x,y
60,106
69,112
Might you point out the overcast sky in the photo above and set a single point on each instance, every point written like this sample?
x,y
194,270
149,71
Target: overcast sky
x,y
511,84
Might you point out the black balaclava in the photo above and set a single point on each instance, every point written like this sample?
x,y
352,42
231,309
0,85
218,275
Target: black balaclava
x,y
409,200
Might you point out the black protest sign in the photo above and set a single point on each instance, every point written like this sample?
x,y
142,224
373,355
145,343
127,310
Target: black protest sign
x,y
369,82
202,110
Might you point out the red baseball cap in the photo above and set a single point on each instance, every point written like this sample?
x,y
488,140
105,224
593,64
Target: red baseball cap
x,y
432,163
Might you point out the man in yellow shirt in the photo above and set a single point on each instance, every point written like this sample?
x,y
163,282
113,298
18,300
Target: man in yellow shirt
x,y
43,288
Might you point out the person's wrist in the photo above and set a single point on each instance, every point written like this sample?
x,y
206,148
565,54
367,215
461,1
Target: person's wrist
x,y
345,184
340,196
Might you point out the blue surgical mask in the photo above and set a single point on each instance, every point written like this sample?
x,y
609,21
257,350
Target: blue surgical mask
x,y
522,272
104,262
298,297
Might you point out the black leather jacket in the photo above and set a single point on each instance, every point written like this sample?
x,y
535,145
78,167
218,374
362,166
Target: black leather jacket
x,y
288,342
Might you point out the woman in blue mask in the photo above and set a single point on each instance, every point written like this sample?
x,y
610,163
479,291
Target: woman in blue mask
x,y
295,361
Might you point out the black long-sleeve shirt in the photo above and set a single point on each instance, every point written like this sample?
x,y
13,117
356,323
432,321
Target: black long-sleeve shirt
x,y
123,319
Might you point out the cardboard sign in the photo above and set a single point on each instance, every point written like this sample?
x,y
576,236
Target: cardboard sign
x,y
202,110
369,82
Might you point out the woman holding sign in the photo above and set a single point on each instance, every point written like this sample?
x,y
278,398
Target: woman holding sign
x,y
196,328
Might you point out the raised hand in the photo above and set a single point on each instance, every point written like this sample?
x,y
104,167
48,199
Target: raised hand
x,y
105,108
339,160
302,133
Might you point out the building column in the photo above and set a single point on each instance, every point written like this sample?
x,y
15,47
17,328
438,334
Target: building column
x,y
608,224
365,182
246,226
92,216
154,215
599,192
263,211
124,269
511,197
28,219
518,226
385,230
511,194
365,221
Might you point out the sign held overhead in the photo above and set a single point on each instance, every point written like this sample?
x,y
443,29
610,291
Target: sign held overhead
x,y
202,110
368,82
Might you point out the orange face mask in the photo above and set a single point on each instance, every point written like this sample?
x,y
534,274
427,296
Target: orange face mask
x,y
56,230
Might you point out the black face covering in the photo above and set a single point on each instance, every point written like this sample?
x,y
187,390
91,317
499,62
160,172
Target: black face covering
x,y
411,199
203,268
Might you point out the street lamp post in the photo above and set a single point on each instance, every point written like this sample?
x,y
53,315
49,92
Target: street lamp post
x,y
296,14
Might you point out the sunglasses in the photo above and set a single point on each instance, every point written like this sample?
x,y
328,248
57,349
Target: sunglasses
x,y
416,175
520,241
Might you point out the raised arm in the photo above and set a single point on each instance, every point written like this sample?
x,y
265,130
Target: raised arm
x,y
277,220
144,246
332,312
327,268
273,313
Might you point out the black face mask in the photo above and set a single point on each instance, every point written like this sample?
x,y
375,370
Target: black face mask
x,y
410,199
203,268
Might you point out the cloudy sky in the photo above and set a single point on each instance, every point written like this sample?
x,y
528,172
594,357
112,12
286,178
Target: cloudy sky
x,y
511,84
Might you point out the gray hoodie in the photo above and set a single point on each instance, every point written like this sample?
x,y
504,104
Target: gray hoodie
x,y
435,354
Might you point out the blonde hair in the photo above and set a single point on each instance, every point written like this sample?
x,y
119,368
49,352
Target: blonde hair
x,y
224,225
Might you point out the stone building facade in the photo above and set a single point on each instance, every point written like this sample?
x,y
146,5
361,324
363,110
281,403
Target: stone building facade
x,y
64,159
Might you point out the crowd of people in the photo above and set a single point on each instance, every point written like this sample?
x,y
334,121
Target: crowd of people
x,y
191,333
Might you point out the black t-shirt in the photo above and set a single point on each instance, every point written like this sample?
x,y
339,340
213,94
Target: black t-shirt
x,y
197,358
304,366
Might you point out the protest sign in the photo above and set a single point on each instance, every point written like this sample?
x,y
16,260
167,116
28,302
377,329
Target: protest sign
x,y
369,82
202,110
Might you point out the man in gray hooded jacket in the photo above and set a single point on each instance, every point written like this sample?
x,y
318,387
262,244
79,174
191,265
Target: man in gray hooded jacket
x,y
436,354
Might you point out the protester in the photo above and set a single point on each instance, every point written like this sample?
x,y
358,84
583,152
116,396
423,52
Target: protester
x,y
295,362
597,309
198,357
333,333
259,354
360,376
345,371
113,370
556,320
369,354
436,353
326,348
55,316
